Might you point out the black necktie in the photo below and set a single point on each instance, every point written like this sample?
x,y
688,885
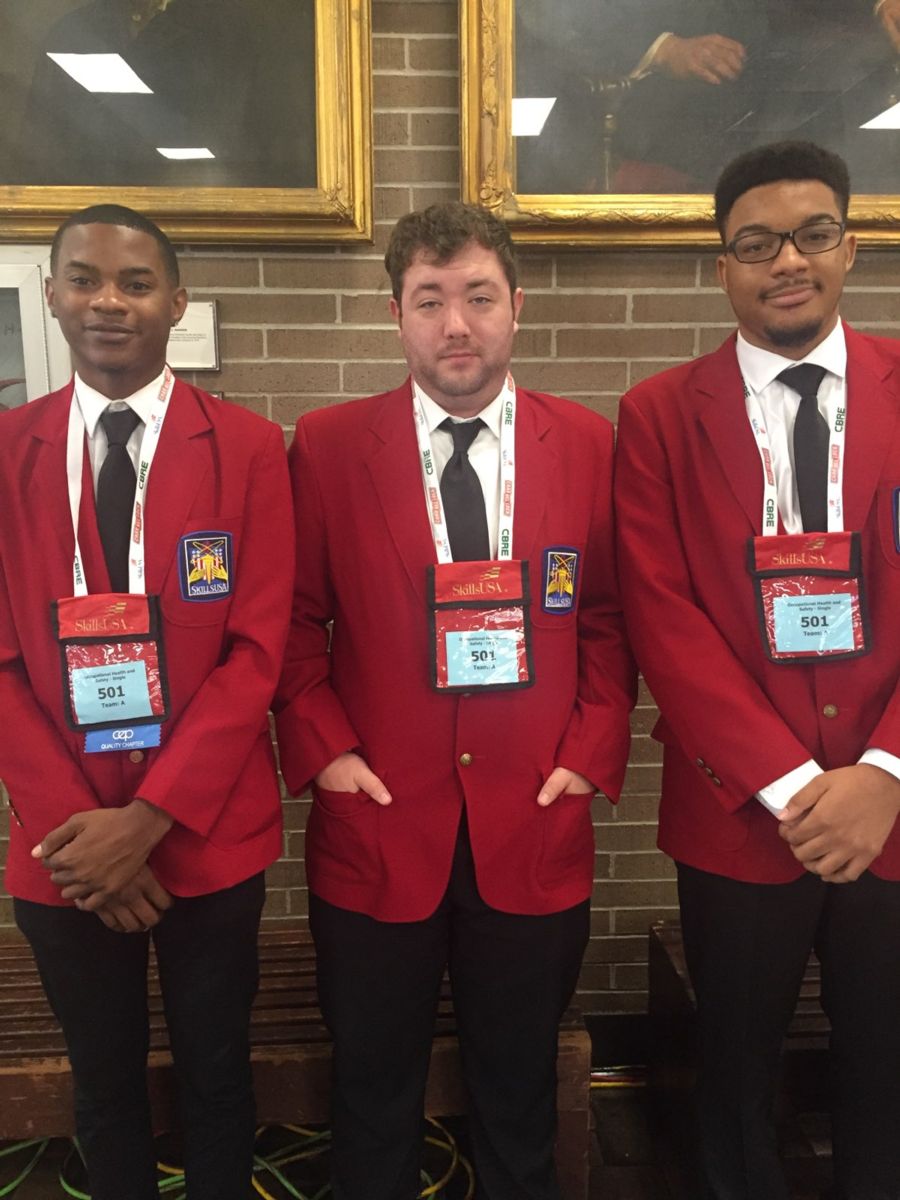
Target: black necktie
x,y
811,439
462,496
115,494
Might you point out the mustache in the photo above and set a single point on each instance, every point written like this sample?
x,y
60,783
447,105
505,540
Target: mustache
x,y
791,286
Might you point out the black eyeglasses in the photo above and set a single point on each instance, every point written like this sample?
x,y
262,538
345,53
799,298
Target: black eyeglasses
x,y
767,244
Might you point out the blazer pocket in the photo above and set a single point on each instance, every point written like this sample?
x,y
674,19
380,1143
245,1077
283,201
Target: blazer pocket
x,y
548,621
341,804
887,504
568,836
201,581
342,837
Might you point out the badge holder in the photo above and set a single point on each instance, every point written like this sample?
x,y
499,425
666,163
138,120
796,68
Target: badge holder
x,y
809,596
480,626
113,668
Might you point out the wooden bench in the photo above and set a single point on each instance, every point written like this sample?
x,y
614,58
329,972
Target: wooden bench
x,y
291,1053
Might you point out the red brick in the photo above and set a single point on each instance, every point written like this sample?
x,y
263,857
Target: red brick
x,y
681,308
594,270
276,377
619,342
340,343
414,18
391,129
272,308
366,379
416,165
208,272
240,343
367,309
563,308
388,54
415,91
434,129
434,54
350,271
569,379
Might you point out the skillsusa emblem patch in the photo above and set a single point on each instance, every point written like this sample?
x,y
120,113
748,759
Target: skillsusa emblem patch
x,y
204,566
560,579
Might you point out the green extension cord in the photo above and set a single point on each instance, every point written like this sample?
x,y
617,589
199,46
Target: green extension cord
x,y
309,1145
41,1143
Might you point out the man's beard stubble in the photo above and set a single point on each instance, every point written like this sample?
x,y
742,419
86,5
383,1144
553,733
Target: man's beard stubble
x,y
788,339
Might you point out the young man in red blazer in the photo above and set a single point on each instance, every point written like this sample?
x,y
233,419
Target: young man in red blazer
x,y
471,697
758,501
145,571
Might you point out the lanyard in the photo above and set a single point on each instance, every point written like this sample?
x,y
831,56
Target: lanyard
x,y
433,503
74,472
837,436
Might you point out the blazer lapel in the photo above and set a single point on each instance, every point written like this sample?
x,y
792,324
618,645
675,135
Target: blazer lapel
x,y
47,496
395,472
535,464
394,468
179,468
719,393
873,401
48,501
95,568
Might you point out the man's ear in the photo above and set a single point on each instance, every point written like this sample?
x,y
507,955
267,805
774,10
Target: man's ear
x,y
518,299
179,304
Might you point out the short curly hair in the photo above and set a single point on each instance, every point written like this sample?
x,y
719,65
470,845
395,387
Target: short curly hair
x,y
127,218
441,231
776,162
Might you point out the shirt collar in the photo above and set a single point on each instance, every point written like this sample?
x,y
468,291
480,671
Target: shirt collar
x,y
92,403
492,415
761,367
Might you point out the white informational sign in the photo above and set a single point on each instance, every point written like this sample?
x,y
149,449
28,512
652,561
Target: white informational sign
x,y
194,341
34,357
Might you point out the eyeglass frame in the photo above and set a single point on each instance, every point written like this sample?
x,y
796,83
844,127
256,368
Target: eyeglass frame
x,y
785,236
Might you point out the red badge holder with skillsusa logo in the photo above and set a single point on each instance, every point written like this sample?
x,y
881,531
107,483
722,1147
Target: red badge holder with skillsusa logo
x,y
480,626
113,666
809,596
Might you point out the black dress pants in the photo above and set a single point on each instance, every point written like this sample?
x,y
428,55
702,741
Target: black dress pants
x,y
96,982
747,946
512,978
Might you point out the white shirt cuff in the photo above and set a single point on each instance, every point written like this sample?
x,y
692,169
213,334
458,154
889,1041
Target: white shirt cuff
x,y
645,66
881,758
776,795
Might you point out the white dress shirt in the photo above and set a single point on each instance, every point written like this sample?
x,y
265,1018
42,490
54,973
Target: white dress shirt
x,y
93,403
779,404
484,453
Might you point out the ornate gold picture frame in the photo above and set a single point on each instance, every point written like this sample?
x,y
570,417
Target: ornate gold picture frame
x,y
335,207
657,219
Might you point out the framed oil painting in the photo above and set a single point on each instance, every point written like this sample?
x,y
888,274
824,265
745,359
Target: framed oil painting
x,y
607,122
224,120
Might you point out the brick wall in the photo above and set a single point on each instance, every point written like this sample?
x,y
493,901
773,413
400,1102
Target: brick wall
x,y
307,327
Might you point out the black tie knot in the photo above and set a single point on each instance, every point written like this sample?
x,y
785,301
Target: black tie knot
x,y
804,379
463,433
119,425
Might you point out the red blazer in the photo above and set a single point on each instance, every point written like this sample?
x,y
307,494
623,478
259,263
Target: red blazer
x,y
217,468
364,544
689,496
